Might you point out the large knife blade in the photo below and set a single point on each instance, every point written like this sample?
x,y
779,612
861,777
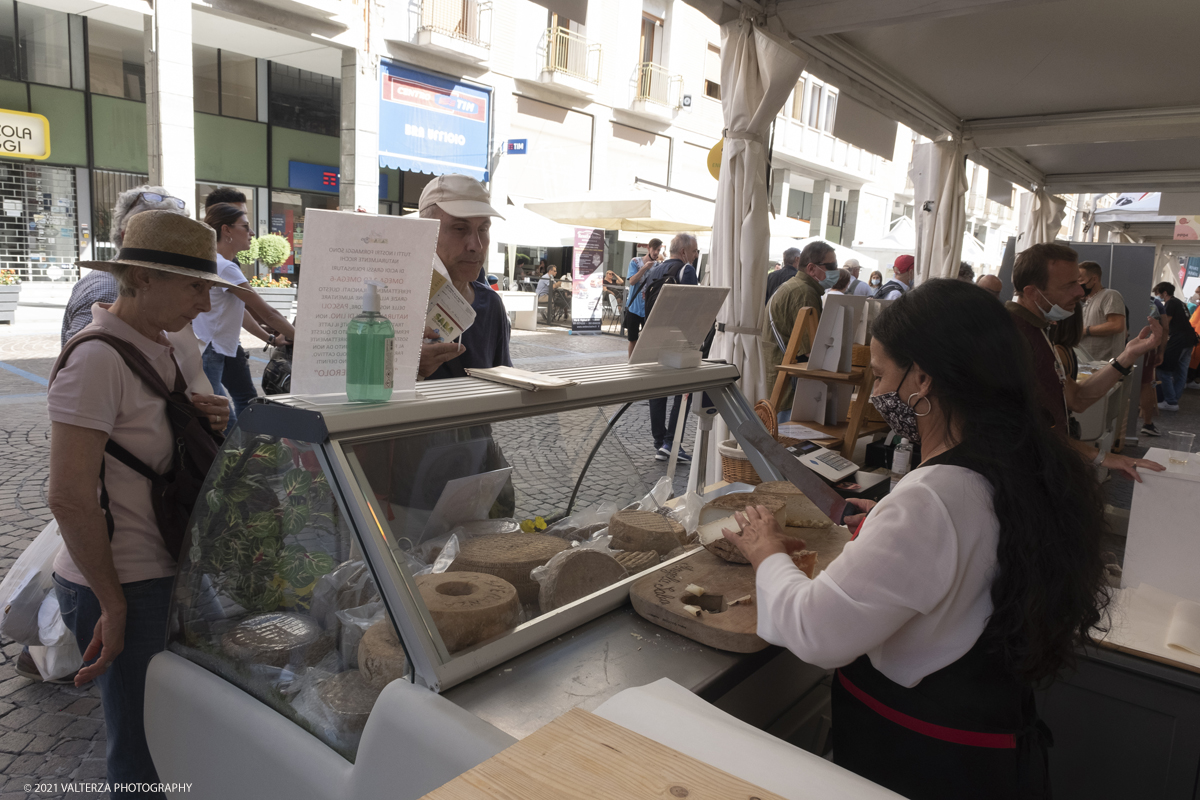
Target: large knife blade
x,y
833,505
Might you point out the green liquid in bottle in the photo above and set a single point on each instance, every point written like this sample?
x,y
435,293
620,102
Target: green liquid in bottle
x,y
370,343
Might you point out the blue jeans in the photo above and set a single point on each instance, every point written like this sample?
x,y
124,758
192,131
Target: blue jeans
x,y
123,684
1174,377
230,376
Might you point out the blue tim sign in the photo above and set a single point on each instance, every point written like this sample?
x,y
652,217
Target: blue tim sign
x,y
318,178
518,147
432,124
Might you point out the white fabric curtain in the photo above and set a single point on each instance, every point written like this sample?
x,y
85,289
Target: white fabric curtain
x,y
758,71
939,178
1041,219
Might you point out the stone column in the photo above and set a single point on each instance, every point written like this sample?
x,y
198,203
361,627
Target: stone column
x,y
169,116
820,209
850,226
359,182
780,190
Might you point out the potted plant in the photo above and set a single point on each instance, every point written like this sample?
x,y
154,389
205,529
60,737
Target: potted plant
x,y
272,250
10,292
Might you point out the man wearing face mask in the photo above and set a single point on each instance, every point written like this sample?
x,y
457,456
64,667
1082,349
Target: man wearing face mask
x,y
903,269
818,272
1103,315
1046,282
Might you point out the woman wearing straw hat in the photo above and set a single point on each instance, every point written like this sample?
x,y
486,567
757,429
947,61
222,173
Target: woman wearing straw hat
x,y
114,593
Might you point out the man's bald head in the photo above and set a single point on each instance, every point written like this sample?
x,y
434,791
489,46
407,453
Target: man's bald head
x,y
991,283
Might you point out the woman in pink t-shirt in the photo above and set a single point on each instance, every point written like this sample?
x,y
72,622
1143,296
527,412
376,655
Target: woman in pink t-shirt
x,y
114,591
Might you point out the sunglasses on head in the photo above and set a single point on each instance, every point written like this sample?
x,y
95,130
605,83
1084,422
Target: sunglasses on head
x,y
155,197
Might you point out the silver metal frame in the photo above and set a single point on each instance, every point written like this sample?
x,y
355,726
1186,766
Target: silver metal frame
x,y
455,403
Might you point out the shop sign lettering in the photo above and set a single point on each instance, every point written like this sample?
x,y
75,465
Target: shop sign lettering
x,y
24,135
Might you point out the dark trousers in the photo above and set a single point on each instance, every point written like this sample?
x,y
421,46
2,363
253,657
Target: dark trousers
x,y
123,684
664,433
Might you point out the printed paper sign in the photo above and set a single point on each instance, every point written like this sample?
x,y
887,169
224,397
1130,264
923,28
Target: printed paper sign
x,y
341,251
1187,229
449,313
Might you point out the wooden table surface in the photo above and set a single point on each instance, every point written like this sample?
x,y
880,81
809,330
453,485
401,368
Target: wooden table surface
x,y
580,755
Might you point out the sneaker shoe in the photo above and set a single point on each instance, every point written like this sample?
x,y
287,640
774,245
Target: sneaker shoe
x,y
1165,406
662,454
1149,430
683,457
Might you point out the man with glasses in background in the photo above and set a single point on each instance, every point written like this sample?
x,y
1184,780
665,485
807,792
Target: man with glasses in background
x,y
818,272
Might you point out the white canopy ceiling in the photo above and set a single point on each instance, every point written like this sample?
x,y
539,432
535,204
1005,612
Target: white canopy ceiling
x,y
1072,95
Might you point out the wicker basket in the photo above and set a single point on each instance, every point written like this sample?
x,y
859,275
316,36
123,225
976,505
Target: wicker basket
x,y
735,467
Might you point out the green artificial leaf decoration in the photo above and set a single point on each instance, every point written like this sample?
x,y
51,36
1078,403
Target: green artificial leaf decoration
x,y
296,481
214,498
295,517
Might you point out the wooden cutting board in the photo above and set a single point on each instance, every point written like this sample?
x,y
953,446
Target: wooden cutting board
x,y
580,755
659,596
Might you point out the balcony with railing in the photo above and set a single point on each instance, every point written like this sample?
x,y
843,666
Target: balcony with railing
x,y
658,94
806,147
458,29
571,64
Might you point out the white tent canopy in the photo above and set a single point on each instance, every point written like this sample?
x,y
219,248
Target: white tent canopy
x,y
521,226
636,210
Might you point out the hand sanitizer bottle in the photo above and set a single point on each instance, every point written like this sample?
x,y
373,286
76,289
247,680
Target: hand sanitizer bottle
x,y
370,344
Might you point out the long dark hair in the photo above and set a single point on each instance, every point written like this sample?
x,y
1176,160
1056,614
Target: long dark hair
x,y
1049,589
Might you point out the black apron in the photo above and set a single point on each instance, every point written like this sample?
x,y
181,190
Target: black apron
x,y
968,731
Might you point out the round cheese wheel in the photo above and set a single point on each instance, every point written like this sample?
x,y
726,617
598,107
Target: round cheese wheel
x,y
510,556
575,574
799,511
468,607
637,562
275,639
381,658
645,530
348,700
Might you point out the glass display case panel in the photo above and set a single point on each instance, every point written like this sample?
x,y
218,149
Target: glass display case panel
x,y
274,594
469,512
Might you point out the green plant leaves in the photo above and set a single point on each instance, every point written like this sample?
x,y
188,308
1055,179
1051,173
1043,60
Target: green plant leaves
x,y
297,481
295,517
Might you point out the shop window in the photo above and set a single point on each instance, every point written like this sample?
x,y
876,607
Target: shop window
x,y
116,61
798,100
814,105
44,45
651,40
712,72
107,185
287,219
206,77
799,204
38,232
8,41
239,91
835,221
304,101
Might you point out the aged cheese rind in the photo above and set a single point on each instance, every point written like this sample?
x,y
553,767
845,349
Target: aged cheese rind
x,y
645,530
348,700
638,561
276,639
510,556
468,607
381,658
577,574
799,511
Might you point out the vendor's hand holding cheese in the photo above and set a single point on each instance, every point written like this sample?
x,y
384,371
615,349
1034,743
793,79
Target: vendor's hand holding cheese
x,y
925,614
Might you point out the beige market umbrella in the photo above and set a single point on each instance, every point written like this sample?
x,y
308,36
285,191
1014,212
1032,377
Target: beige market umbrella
x,y
654,212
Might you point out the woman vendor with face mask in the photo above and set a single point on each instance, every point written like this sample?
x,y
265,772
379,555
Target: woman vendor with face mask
x,y
925,613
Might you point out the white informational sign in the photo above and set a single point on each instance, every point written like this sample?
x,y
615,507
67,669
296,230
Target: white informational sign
x,y
679,321
587,280
341,251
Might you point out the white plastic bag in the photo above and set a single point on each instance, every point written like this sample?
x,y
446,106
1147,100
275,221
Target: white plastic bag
x,y
26,586
58,656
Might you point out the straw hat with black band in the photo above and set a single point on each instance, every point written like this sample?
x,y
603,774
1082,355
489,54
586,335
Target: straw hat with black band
x,y
168,242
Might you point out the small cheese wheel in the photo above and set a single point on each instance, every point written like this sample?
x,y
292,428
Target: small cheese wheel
x,y
348,700
468,607
799,511
575,574
381,658
637,562
275,639
511,557
645,530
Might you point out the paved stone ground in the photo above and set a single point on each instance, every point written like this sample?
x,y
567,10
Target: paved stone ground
x,y
56,734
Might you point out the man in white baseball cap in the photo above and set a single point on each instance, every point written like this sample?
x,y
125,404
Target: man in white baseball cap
x,y
857,287
465,211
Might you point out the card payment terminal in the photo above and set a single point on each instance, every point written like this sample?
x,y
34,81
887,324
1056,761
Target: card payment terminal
x,y
829,465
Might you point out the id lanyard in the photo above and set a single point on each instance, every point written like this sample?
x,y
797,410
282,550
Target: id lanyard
x,y
1060,370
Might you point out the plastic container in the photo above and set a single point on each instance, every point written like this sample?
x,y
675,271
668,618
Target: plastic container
x,y
370,345
901,461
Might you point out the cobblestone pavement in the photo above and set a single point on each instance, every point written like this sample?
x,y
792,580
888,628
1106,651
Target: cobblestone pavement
x,y
55,734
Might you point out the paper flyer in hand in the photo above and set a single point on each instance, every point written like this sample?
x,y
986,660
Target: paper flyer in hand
x,y
449,313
